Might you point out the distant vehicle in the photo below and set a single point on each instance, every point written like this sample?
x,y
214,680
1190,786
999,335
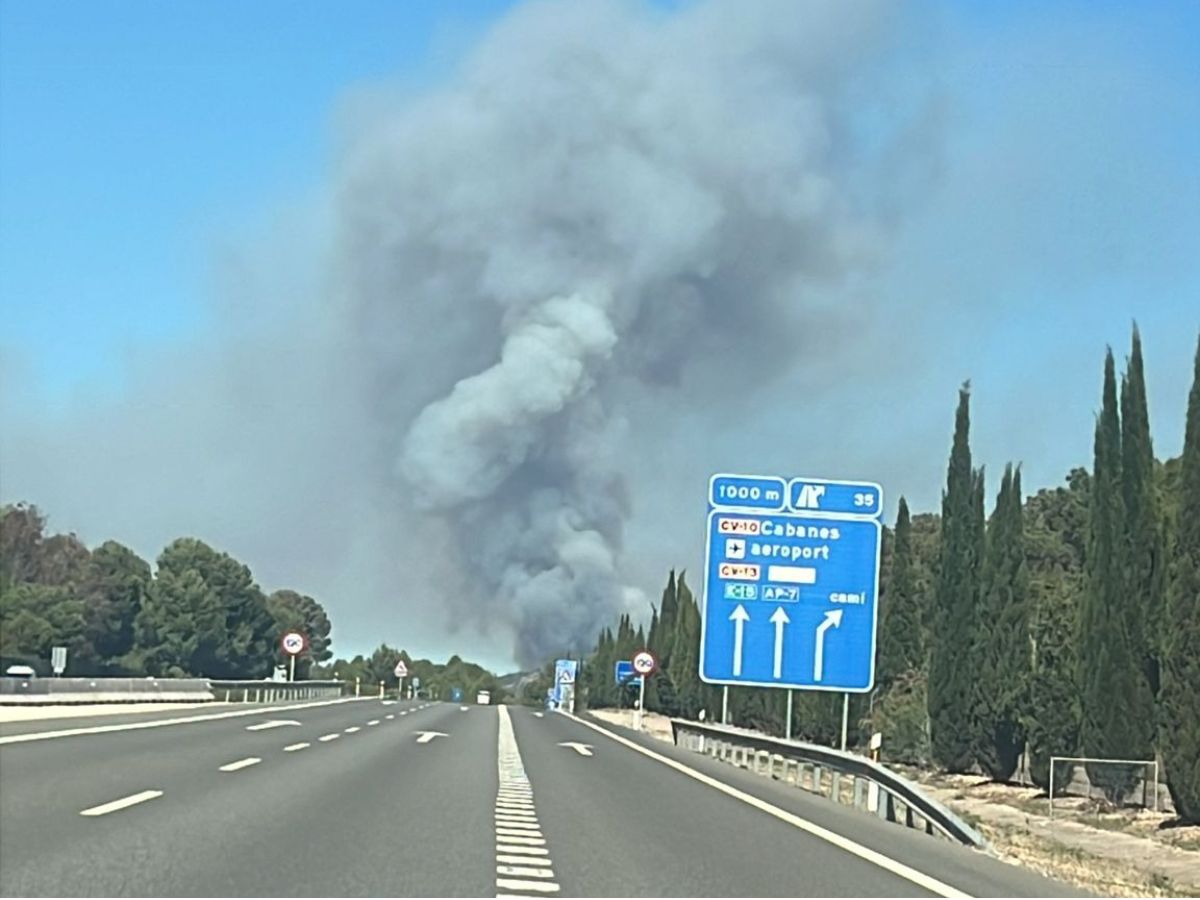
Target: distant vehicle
x,y
483,698
20,672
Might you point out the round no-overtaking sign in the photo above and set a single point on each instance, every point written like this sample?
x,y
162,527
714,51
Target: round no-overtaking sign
x,y
644,662
293,643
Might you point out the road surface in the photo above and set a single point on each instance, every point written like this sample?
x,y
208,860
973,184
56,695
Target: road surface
x,y
359,797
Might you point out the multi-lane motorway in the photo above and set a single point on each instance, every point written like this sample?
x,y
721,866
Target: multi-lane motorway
x,y
411,799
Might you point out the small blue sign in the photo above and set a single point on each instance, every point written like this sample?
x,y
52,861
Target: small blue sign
x,y
790,598
564,674
456,695
741,591
747,492
623,673
842,498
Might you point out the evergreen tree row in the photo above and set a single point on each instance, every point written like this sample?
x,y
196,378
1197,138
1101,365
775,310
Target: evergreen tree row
x,y
199,613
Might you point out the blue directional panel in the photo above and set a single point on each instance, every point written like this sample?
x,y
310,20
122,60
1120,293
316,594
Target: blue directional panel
x,y
841,498
763,492
790,600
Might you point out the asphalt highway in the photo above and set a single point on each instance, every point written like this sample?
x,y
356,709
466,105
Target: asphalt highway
x,y
357,798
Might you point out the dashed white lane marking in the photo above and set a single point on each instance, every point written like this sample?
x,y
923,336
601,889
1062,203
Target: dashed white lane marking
x,y
274,723
132,800
239,764
522,850
292,748
373,722
352,729
523,865
928,882
328,737
390,716
517,884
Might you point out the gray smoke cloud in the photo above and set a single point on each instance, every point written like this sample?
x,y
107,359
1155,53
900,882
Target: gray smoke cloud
x,y
441,397
602,197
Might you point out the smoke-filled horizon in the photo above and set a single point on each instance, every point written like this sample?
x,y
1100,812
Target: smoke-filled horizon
x,y
602,198
468,392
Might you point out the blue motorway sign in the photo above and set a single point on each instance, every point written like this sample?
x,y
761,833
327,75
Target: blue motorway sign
x,y
564,674
791,597
623,673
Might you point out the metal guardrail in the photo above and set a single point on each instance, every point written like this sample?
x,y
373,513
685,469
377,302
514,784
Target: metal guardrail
x,y
844,777
35,691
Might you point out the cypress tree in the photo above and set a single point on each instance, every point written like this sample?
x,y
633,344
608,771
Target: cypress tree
x,y
685,654
1056,537
901,639
1145,553
1111,679
1180,739
1002,651
949,695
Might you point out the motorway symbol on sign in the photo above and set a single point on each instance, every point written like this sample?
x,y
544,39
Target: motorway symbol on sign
x,y
401,669
293,643
644,662
795,604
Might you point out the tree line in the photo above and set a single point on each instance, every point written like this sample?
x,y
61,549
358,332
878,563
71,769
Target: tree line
x,y
436,679
1062,624
199,612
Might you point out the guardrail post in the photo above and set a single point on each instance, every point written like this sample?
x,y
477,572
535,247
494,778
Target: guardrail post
x,y
908,816
835,786
858,793
816,787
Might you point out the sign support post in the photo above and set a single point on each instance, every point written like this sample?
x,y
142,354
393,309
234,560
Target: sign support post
x,y
725,705
845,717
291,669
787,734
644,664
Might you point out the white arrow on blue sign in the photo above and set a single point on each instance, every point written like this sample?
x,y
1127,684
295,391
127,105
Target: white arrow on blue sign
x,y
795,605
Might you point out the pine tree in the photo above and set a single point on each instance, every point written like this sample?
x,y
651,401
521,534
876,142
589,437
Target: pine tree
x,y
949,695
901,638
1001,651
1114,700
1180,737
1145,553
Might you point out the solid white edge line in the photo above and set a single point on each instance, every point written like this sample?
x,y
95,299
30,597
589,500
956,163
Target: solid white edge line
x,y
114,805
928,882
159,723
239,764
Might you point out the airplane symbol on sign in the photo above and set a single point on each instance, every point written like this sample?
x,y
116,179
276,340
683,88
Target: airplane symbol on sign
x,y
735,548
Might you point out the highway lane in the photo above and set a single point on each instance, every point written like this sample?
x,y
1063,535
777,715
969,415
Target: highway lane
x,y
375,809
675,836
364,813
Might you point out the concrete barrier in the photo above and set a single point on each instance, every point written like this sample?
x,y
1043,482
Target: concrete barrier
x,y
33,691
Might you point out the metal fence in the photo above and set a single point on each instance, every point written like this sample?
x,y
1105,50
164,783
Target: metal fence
x,y
843,777
275,691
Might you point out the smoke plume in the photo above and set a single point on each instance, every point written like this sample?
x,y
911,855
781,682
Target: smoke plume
x,y
600,200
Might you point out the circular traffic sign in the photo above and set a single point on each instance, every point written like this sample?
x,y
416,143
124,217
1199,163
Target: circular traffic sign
x,y
644,662
293,643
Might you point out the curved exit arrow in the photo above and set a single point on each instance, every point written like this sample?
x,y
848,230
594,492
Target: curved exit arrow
x,y
833,618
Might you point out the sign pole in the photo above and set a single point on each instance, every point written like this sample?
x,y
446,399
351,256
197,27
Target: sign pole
x,y
291,668
788,731
641,702
725,705
845,717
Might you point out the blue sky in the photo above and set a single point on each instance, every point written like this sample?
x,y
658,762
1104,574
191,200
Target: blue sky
x,y
141,141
